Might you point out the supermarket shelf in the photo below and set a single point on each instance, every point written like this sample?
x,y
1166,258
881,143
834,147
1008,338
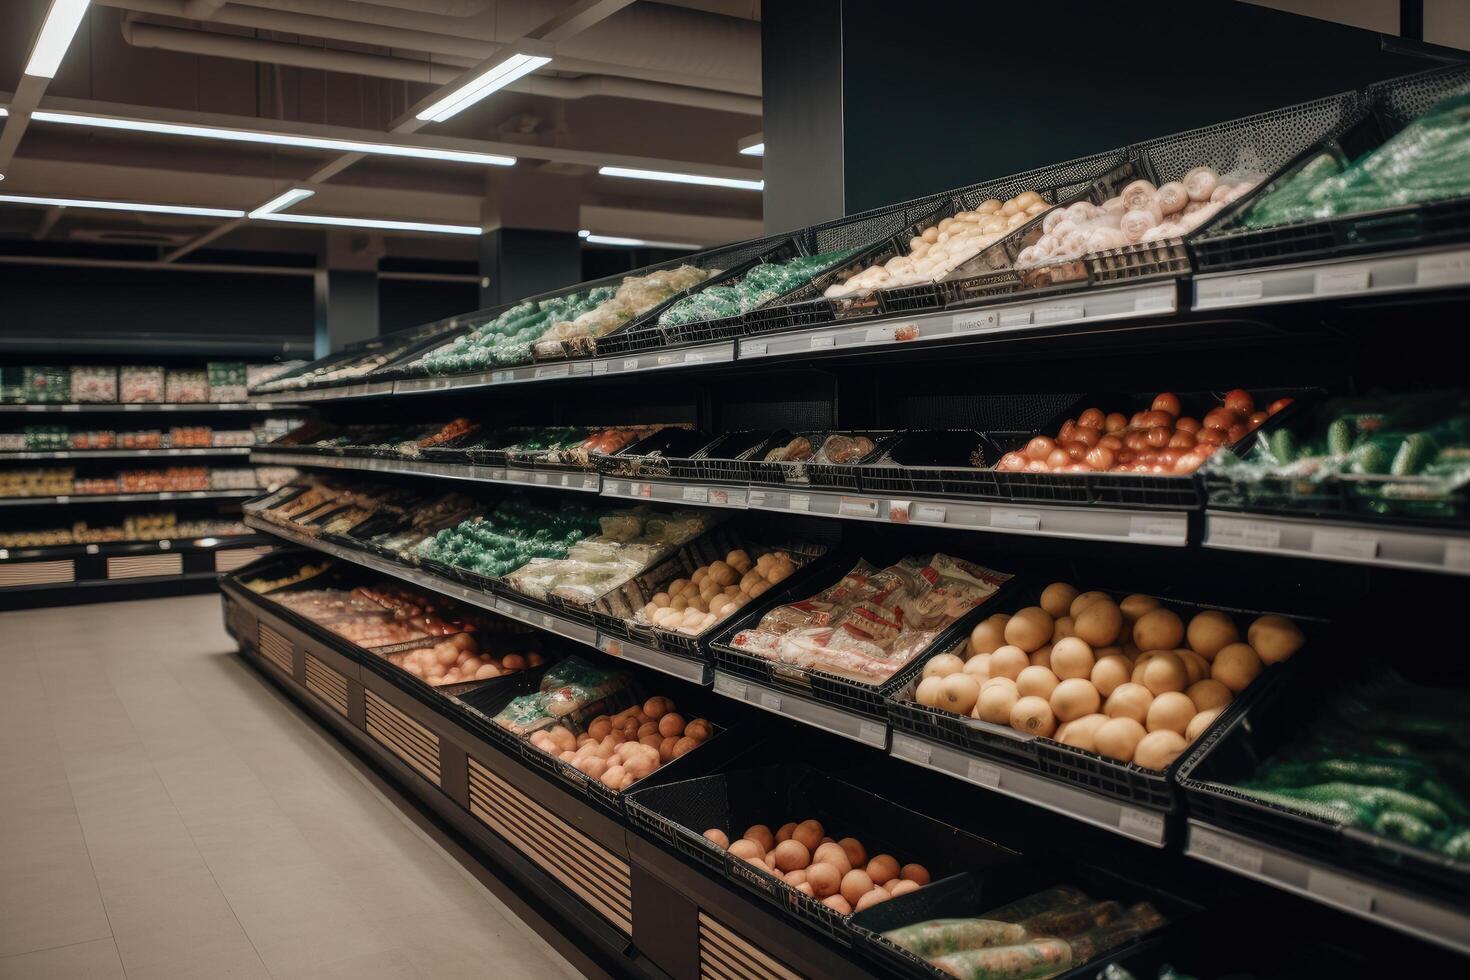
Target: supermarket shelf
x,y
101,498
75,454
689,670
1373,276
108,549
1068,309
344,392
115,407
1330,885
1145,826
675,493
659,359
565,480
859,728
1429,550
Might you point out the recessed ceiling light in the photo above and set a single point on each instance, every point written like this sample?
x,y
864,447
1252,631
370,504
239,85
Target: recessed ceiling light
x,y
493,78
72,202
592,239
378,223
56,34
282,201
274,139
753,146
745,185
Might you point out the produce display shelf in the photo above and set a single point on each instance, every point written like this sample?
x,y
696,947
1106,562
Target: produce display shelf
x,y
1168,528
1068,309
659,358
344,392
75,454
663,491
83,498
1398,272
556,370
1388,546
566,480
1146,826
107,549
625,649
1331,885
113,407
859,728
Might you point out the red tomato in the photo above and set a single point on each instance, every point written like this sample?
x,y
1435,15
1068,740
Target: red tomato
x,y
1211,437
1221,418
1237,432
1039,448
1182,440
1058,458
1087,435
1158,436
1240,401
1100,458
1091,419
1115,422
1076,450
1111,441
1187,424
1167,402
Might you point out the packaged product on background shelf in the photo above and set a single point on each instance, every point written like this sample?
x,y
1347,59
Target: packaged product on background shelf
x,y
47,385
633,298
259,374
950,241
45,482
94,384
12,442
228,438
143,439
231,478
872,622
12,385
1131,680
273,477
46,438
444,435
512,533
140,384
227,381
171,480
306,571
83,486
189,437
186,387
271,429
96,439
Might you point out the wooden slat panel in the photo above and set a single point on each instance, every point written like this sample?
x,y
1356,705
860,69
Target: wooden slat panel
x,y
404,737
597,876
726,955
145,566
229,559
38,573
326,684
276,649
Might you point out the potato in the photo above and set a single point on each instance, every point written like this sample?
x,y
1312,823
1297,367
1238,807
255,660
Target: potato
x,y
1274,638
1072,657
1100,623
1236,666
1110,672
943,665
1170,711
1209,694
1033,716
1157,749
1037,681
1165,671
1118,738
958,693
1029,629
1074,698
987,635
1158,629
1080,733
1008,661
1129,701
1211,631
995,702
1057,599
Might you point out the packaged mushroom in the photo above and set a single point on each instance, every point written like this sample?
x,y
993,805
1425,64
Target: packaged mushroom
x,y
716,591
944,245
1142,212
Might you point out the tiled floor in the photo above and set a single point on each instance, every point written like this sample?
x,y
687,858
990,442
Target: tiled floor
x,y
165,813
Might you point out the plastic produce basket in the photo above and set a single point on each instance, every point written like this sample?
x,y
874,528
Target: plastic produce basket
x,y
1159,491
811,474
1231,752
843,693
935,463
971,895
727,459
652,455
716,752
1384,109
676,815
1122,781
722,328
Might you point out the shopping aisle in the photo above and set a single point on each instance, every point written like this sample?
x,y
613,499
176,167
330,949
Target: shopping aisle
x,y
165,813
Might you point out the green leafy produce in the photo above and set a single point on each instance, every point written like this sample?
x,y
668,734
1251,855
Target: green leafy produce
x,y
507,339
760,284
506,537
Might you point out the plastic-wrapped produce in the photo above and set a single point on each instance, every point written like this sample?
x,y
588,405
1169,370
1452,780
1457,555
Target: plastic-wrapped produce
x,y
186,387
93,384
226,381
569,692
507,339
140,384
760,284
510,535
636,296
47,385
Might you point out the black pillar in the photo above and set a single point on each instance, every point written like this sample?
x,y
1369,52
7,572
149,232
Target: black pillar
x,y
521,262
346,308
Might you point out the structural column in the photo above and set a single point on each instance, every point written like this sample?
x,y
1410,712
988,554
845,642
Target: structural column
x,y
520,262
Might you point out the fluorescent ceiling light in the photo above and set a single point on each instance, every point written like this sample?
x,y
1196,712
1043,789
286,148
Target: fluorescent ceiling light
x,y
495,77
56,34
754,150
282,202
274,139
583,233
323,219
69,202
746,185
592,239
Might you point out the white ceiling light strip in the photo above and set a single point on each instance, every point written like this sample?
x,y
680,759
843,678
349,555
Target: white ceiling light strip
x,y
71,202
592,239
492,79
674,178
61,26
282,202
381,224
272,139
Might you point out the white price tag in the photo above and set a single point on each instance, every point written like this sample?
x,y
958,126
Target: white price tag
x,y
898,511
698,495
731,688
62,498
1015,318
553,370
1344,544
1156,528
664,360
599,367
1237,289
165,545
721,497
1444,270
1154,301
1017,520
1056,314
756,498
982,773
799,501
1457,554
975,322
906,748
1247,534
128,408
1230,853
857,507
929,513
771,701
610,645
92,549
644,490
1334,282
753,348
71,408
1340,890
823,340
612,487
1143,824
541,478
872,732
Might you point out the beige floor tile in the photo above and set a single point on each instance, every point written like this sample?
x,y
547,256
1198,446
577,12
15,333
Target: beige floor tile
x,y
56,907
156,920
388,964
234,964
94,960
